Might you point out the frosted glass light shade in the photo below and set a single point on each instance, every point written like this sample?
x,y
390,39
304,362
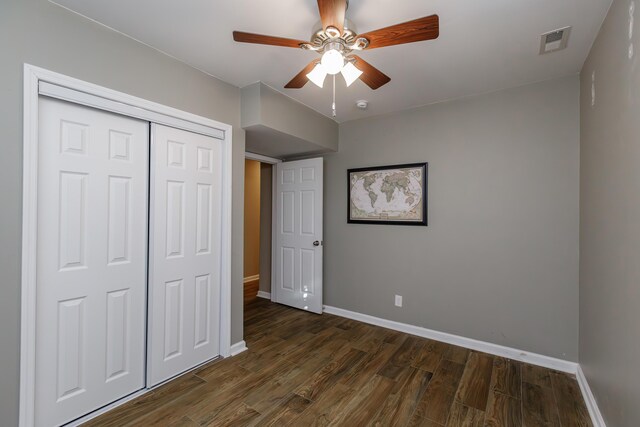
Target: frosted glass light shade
x,y
332,61
317,75
350,73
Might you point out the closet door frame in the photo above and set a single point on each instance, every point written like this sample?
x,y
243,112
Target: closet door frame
x,y
39,81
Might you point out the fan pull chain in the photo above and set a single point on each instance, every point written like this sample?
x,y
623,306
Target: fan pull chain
x,y
333,106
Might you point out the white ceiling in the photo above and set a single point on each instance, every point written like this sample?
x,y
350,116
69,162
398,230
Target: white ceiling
x,y
483,46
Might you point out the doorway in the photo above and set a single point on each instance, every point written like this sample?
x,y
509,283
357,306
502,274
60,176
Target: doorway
x,y
283,225
257,227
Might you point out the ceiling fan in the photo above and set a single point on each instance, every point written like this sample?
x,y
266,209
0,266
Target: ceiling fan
x,y
336,39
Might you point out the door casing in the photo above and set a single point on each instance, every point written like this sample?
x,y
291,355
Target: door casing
x,y
80,92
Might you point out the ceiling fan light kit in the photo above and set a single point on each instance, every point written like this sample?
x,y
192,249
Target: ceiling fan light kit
x,y
350,73
332,59
335,38
317,75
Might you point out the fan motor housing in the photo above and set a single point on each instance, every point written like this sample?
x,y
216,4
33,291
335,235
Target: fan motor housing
x,y
319,36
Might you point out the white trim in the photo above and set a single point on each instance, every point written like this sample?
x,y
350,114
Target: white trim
x,y
29,238
261,158
125,109
32,78
263,294
589,399
485,347
251,278
146,108
227,222
274,228
238,348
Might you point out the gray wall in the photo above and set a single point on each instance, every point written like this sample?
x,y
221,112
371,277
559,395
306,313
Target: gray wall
x,y
499,259
610,220
281,127
262,105
42,34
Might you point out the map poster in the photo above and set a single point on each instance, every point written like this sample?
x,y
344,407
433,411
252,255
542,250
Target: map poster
x,y
388,195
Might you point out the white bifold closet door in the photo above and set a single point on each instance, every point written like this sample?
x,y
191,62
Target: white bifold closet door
x,y
184,317
91,260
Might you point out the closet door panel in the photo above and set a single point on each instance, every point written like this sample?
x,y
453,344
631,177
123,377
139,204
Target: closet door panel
x,y
91,259
184,269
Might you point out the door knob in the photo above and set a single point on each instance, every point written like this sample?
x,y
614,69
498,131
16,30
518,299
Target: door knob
x,y
316,243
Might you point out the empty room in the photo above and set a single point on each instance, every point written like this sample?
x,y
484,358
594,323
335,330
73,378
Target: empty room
x,y
320,213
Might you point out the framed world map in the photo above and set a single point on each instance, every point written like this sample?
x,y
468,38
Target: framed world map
x,y
388,195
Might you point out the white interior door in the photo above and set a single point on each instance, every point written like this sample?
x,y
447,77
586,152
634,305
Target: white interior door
x,y
184,310
91,259
298,237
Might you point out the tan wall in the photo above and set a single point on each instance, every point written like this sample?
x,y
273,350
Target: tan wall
x,y
251,218
265,226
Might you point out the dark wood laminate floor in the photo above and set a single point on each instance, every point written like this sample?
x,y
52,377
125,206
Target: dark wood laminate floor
x,y
308,370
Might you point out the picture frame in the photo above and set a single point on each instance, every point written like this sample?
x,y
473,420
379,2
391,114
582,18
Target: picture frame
x,y
388,195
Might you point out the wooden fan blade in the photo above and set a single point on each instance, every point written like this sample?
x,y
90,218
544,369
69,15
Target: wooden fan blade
x,y
332,13
240,36
371,76
427,28
301,78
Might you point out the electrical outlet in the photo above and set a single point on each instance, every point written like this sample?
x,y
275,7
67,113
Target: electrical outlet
x,y
398,300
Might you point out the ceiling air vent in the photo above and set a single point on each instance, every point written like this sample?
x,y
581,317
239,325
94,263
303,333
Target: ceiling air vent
x,y
554,40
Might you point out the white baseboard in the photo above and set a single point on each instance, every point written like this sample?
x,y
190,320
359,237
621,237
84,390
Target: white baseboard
x,y
237,348
486,347
263,294
590,400
251,278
